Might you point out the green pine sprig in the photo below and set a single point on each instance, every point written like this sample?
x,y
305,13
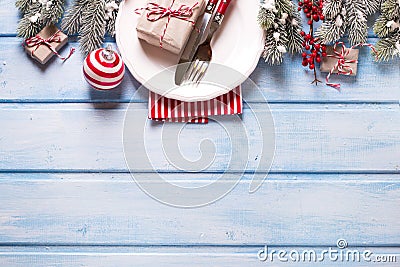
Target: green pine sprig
x,y
110,25
387,27
90,20
356,21
273,49
93,27
346,16
37,14
282,25
23,5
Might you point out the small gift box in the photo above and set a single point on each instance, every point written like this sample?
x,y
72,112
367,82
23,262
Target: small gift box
x,y
46,44
340,60
168,23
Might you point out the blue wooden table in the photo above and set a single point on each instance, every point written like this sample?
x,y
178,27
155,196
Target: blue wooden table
x,y
67,197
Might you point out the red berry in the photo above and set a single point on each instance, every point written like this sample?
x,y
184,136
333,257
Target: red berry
x,y
310,60
308,36
321,17
318,59
311,41
299,8
302,33
300,3
317,46
304,54
324,54
306,10
307,47
315,17
323,48
304,63
312,66
309,22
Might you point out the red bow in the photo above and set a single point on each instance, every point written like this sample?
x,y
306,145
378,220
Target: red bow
x,y
342,65
156,12
37,41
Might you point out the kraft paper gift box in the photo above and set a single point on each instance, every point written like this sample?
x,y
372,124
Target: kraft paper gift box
x,y
177,31
42,52
329,62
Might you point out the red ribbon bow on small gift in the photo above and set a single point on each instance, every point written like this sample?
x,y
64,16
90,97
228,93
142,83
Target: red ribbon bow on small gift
x,y
341,65
37,41
156,12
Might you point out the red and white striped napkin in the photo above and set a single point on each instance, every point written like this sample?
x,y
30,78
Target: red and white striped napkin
x,y
171,110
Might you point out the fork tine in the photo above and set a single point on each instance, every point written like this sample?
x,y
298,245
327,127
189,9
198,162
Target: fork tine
x,y
202,72
197,72
192,71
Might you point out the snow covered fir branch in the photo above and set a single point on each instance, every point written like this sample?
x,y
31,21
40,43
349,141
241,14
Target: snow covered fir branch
x,y
387,27
346,16
91,20
282,24
36,14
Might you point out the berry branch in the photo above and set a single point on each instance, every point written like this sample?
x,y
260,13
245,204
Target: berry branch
x,y
313,49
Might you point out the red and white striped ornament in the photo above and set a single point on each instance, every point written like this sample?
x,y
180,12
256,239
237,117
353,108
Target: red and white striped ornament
x,y
103,69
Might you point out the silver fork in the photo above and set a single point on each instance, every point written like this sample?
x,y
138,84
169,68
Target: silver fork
x,y
196,71
203,55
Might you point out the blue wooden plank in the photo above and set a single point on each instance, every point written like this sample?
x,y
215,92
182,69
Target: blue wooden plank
x,y
109,209
63,82
193,256
317,138
9,17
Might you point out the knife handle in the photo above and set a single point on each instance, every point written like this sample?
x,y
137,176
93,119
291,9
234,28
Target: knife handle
x,y
223,6
211,6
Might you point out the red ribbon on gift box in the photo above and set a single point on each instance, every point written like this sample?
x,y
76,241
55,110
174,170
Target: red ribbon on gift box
x,y
341,65
38,41
156,12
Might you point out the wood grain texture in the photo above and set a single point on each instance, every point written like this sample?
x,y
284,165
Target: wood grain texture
x,y
322,138
67,199
63,82
110,209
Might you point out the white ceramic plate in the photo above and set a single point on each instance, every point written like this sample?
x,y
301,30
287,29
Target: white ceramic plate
x,y
237,45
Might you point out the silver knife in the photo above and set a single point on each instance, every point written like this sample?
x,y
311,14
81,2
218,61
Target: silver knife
x,y
195,39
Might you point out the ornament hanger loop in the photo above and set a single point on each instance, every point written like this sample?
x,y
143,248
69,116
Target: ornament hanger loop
x,y
108,53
